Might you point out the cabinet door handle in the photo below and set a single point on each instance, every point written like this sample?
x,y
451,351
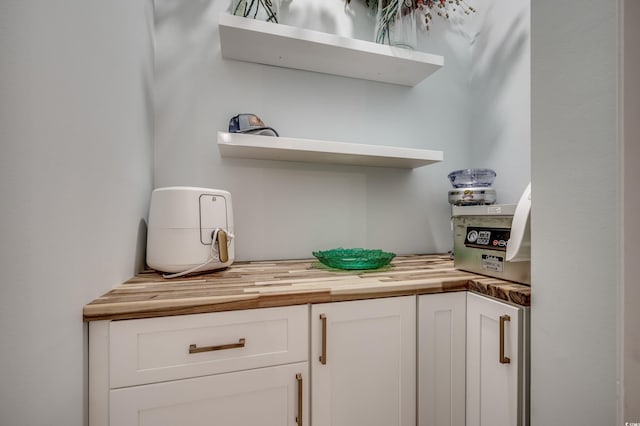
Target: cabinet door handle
x,y
323,357
299,417
503,359
194,349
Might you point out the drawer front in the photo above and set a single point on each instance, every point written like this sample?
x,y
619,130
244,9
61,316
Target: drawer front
x,y
271,396
169,348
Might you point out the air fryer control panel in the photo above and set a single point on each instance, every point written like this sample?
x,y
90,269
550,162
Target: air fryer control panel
x,y
213,214
487,238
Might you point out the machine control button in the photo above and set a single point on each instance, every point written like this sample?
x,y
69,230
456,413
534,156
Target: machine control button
x,y
487,238
484,237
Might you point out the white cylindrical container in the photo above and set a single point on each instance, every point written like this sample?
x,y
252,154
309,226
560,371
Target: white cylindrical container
x,y
182,223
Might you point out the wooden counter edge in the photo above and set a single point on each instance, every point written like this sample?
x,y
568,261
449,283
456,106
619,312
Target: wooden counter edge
x,y
133,310
518,294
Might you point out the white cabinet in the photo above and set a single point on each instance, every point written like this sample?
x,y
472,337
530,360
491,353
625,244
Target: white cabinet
x,y
468,364
441,359
264,396
497,365
239,368
177,347
363,362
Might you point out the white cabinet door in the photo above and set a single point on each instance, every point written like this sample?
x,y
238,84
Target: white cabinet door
x,y
495,366
364,373
265,396
441,359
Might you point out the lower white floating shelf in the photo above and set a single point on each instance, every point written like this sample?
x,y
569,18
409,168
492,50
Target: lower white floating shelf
x,y
242,145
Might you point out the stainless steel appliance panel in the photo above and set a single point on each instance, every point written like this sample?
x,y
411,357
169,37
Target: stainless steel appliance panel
x,y
480,241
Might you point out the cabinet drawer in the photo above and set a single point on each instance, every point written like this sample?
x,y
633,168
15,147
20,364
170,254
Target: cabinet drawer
x,y
271,396
160,349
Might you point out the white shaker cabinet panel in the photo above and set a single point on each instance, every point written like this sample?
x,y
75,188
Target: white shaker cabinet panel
x,y
363,362
496,363
441,359
450,359
264,396
247,367
151,350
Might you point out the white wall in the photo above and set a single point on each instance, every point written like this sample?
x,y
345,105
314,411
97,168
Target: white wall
x,y
77,152
75,176
631,203
501,95
287,210
574,213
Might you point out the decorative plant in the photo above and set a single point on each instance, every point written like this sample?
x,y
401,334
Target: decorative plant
x,y
387,12
256,9
441,8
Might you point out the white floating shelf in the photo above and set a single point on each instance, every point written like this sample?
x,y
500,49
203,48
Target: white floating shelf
x,y
263,42
242,145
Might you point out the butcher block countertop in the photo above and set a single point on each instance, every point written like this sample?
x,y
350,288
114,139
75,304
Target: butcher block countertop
x,y
260,284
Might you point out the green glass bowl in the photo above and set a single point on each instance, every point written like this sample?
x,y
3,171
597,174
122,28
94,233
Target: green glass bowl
x,y
355,258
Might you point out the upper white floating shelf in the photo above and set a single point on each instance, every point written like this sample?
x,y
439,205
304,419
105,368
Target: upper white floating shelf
x,y
263,42
244,145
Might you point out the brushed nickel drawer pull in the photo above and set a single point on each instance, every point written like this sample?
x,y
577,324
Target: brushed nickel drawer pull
x,y
299,417
194,349
323,357
503,359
